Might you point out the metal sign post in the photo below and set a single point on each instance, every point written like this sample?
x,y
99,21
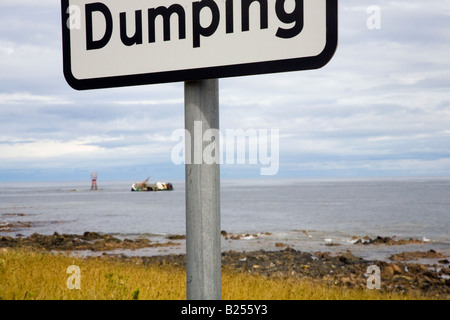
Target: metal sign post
x,y
203,255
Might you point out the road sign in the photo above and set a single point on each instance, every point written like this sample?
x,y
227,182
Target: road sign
x,y
114,43
111,43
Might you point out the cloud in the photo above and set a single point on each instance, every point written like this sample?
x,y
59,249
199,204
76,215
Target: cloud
x,y
380,107
30,3
43,149
25,98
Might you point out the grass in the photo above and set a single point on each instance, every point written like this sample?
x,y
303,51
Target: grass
x,y
26,275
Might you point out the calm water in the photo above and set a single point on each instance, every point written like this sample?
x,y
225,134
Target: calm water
x,y
305,214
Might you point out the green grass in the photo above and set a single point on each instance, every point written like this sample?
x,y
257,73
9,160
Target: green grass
x,y
42,276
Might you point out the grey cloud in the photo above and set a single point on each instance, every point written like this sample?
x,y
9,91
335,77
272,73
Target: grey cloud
x,y
380,104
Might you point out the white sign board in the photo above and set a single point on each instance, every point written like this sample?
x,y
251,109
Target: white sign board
x,y
111,43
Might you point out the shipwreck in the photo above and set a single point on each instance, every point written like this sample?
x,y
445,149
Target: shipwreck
x,y
146,186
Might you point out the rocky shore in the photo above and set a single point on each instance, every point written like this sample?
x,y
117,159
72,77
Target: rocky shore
x,y
333,270
92,241
386,241
399,274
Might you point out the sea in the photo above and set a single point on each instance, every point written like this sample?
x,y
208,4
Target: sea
x,y
309,215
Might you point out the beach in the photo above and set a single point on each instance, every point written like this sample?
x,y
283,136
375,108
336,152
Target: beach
x,y
401,273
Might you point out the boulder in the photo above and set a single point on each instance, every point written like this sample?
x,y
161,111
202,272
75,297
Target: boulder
x,y
414,255
396,268
387,272
349,258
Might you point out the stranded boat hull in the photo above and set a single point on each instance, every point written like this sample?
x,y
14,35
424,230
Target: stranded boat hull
x,y
158,186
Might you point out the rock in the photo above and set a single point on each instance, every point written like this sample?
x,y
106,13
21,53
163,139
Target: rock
x,y
386,241
332,244
396,268
410,241
349,258
111,239
323,255
6,239
414,255
445,271
176,237
305,267
423,268
13,226
346,280
87,241
280,244
91,236
387,272
289,249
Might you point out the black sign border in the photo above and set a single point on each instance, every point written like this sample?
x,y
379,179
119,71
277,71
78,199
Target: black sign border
x,y
235,70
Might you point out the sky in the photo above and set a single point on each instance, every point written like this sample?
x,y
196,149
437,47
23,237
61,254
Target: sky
x,y
379,108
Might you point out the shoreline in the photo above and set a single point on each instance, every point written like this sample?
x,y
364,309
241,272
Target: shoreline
x,y
93,242
401,273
